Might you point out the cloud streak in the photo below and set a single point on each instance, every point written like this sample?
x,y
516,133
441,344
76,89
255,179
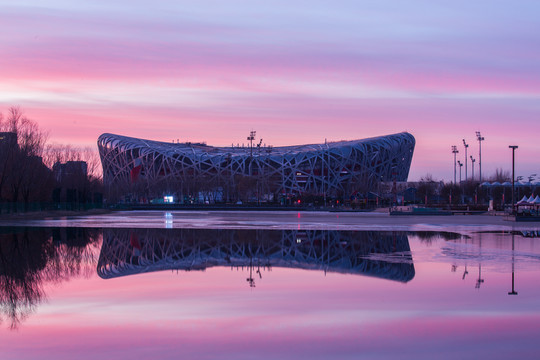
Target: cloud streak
x,y
355,68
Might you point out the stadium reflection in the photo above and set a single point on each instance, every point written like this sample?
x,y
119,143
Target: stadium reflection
x,y
383,255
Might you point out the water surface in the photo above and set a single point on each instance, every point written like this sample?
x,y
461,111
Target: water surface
x,y
91,293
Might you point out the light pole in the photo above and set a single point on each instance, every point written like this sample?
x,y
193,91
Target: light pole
x,y
460,166
454,151
480,138
513,147
466,146
251,137
472,165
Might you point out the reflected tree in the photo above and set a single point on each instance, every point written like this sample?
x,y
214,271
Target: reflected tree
x,y
31,258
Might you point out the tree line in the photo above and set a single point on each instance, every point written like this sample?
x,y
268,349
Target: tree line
x,y
432,192
27,160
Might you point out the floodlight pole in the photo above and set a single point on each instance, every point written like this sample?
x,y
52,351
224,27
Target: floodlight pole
x,y
480,138
472,164
513,147
251,137
460,166
466,146
454,151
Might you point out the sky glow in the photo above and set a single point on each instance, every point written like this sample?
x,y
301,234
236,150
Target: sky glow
x,y
294,71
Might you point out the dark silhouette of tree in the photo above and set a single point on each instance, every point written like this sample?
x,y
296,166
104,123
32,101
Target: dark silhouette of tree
x,y
427,188
23,176
30,258
451,193
501,176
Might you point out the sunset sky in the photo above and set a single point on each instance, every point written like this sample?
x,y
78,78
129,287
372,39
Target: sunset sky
x,y
294,71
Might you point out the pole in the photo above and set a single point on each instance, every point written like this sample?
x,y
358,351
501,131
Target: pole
x,y
466,146
513,292
322,172
513,147
480,159
251,137
480,138
454,151
472,164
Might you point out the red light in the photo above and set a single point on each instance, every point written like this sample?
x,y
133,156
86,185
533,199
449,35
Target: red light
x,y
299,201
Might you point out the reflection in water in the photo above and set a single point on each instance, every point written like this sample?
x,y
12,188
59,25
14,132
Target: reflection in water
x,y
380,254
513,292
296,314
31,257
497,249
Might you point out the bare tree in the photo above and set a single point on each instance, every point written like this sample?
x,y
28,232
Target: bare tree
x,y
91,156
23,153
60,153
427,188
500,176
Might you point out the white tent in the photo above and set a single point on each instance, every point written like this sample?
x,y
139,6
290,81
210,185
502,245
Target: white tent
x,y
506,183
523,201
536,200
531,200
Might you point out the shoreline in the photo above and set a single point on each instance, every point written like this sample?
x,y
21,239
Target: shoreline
x,y
44,215
270,219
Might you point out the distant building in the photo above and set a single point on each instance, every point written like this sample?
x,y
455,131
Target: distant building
x,y
70,171
334,169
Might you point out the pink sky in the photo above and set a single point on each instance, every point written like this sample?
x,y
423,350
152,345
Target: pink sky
x,y
294,72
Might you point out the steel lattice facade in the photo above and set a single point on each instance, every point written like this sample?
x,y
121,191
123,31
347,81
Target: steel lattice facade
x,y
333,169
385,255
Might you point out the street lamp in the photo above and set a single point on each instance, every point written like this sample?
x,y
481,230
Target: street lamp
x,y
454,151
480,138
513,147
466,146
472,164
460,166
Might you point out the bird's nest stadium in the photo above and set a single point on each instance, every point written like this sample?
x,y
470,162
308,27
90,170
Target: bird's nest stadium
x,y
336,169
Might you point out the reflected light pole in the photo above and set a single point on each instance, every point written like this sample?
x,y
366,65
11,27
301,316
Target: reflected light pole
x,y
454,151
513,292
513,147
480,138
479,281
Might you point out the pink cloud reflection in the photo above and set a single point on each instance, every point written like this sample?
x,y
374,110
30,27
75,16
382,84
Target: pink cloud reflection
x,y
444,337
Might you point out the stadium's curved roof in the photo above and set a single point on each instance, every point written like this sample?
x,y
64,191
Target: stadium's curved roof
x,y
314,168
125,142
128,252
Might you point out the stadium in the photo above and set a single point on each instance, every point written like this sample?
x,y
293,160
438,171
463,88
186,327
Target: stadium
x,y
147,169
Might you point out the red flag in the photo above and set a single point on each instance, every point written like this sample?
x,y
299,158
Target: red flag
x,y
136,171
